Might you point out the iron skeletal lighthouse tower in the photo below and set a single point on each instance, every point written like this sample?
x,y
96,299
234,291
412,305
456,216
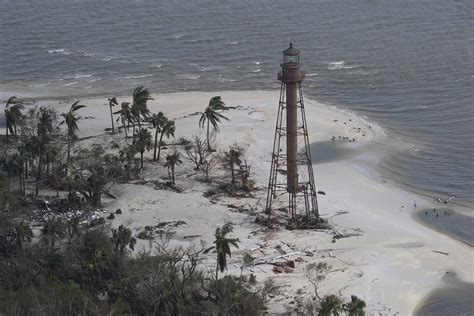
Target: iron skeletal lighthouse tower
x,y
291,184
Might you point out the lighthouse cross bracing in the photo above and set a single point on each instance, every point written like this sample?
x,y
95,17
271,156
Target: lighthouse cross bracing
x,y
291,186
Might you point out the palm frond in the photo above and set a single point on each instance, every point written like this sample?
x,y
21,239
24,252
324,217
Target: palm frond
x,y
76,106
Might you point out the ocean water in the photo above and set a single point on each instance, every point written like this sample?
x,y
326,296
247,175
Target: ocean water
x,y
408,65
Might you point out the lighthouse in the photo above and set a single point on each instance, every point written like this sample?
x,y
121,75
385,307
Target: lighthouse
x,y
291,185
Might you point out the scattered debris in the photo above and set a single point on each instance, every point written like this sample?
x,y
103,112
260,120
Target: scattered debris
x,y
171,223
441,252
191,236
292,247
158,185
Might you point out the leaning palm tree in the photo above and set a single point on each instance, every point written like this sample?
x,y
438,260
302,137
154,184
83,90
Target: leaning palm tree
x,y
71,118
222,246
157,121
167,130
126,116
112,102
142,141
141,95
172,161
330,306
355,307
212,116
13,114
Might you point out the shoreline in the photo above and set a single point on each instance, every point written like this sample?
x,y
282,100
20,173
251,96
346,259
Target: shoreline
x,y
461,207
393,246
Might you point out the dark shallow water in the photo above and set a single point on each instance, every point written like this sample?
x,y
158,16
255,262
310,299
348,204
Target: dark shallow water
x,y
454,299
451,223
328,151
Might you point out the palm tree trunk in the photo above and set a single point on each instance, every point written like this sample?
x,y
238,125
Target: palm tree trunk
x,y
172,174
7,128
217,266
141,159
47,166
112,120
208,142
232,171
125,127
38,176
21,181
68,154
159,145
154,152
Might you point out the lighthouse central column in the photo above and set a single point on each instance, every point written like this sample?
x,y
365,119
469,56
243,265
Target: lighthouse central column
x,y
291,138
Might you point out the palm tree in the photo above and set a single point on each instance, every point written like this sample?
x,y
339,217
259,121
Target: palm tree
x,y
45,130
171,162
212,116
23,233
142,142
355,307
13,114
112,102
232,157
330,306
157,120
121,238
141,95
53,229
167,129
14,165
23,153
127,154
135,112
222,246
71,118
126,116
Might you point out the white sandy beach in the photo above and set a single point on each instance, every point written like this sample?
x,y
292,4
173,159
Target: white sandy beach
x,y
391,264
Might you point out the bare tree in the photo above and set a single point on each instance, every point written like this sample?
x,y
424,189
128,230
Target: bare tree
x,y
196,152
210,161
317,273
